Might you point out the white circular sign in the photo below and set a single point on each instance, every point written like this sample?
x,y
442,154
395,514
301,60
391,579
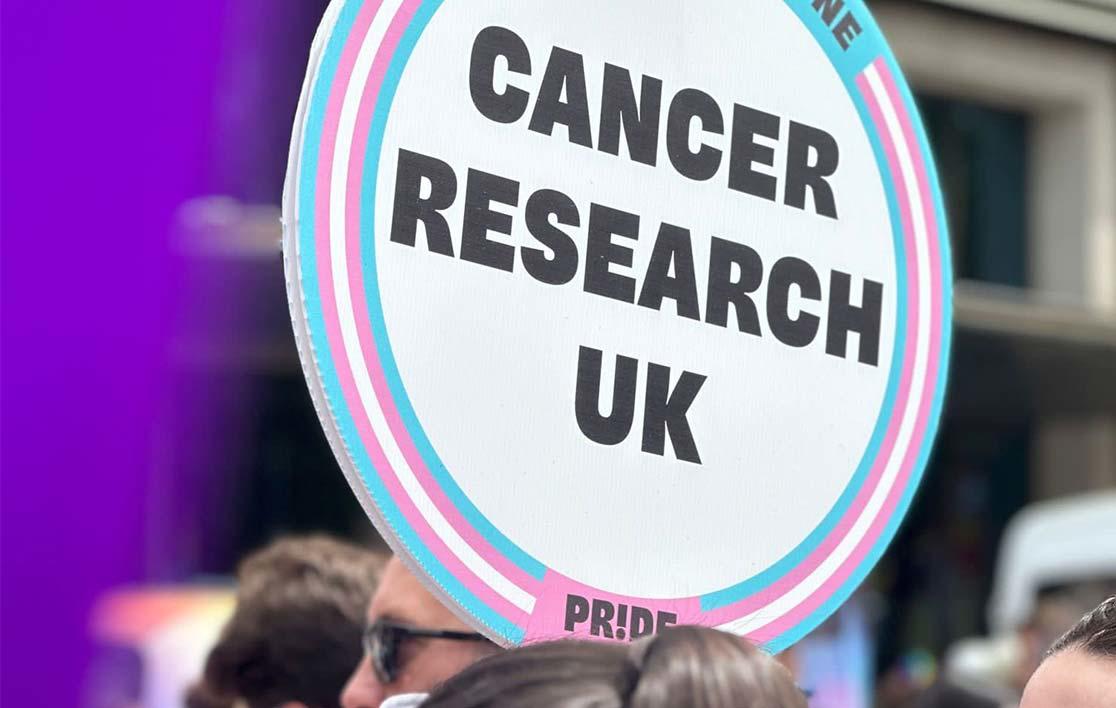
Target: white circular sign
x,y
620,315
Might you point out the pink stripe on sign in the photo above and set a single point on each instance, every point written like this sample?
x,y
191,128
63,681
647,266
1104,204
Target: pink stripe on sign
x,y
934,247
774,629
904,191
333,331
353,206
929,207
322,191
928,200
929,214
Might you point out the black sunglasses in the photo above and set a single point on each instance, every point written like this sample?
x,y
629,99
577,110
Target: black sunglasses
x,y
383,638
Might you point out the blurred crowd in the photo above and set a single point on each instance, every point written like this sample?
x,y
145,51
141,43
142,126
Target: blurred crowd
x,y
321,623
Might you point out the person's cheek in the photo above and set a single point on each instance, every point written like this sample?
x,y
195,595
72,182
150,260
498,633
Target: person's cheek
x,y
416,661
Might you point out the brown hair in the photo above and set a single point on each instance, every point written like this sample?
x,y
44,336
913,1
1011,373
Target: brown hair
x,y
1095,633
295,635
682,666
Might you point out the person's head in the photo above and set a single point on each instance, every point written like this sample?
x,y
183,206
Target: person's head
x,y
681,666
295,633
412,642
1080,669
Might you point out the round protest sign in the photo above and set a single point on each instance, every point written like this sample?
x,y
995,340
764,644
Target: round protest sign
x,y
620,315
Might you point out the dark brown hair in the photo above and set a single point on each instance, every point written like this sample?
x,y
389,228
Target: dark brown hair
x,y
1094,634
682,666
295,635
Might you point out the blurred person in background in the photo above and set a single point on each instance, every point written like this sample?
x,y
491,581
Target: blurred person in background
x,y
412,642
694,667
991,673
1055,560
295,634
1080,669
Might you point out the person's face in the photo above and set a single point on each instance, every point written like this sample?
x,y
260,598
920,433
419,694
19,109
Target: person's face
x,y
423,663
1072,679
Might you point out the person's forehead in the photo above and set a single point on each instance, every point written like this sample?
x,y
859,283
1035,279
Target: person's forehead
x,y
401,596
1072,679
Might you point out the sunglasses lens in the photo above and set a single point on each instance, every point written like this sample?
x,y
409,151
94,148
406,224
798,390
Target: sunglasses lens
x,y
380,644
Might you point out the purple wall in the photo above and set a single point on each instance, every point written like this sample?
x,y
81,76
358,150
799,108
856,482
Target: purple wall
x,y
107,110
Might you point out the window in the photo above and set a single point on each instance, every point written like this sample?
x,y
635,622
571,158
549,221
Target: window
x,y
981,154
